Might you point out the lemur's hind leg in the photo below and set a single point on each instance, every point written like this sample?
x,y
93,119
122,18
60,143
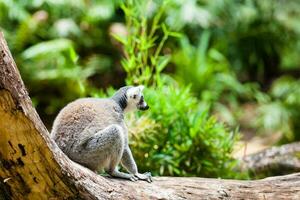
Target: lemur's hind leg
x,y
108,146
110,139
99,150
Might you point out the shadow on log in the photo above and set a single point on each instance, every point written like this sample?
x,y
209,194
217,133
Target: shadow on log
x,y
33,167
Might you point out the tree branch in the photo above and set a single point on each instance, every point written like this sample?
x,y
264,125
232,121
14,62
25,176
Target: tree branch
x,y
274,161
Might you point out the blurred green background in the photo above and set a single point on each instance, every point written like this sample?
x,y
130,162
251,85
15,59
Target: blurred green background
x,y
219,73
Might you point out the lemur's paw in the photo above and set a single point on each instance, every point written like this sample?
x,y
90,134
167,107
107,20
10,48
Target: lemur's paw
x,y
146,176
133,178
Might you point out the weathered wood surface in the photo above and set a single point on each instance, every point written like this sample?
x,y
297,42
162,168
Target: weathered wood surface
x,y
33,167
278,160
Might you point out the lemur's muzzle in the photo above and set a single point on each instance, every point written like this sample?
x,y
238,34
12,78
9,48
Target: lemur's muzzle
x,y
142,105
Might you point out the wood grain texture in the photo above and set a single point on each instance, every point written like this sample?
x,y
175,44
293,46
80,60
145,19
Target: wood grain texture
x,y
278,160
33,167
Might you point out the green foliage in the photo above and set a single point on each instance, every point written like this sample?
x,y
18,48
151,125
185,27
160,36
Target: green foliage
x,y
207,70
59,47
257,37
281,113
177,137
193,62
143,61
57,65
228,41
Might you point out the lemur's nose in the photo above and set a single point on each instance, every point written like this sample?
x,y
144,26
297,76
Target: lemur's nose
x,y
144,107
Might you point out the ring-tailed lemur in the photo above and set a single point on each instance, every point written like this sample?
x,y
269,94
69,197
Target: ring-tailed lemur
x,y
92,132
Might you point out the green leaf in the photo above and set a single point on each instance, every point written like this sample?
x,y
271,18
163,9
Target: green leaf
x,y
175,34
49,47
120,38
162,62
73,55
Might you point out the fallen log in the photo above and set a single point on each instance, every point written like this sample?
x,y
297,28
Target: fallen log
x,y
278,160
33,167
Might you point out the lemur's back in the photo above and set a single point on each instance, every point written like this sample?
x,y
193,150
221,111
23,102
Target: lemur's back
x,y
83,117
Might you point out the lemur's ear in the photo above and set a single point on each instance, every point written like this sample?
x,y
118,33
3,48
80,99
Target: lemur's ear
x,y
141,87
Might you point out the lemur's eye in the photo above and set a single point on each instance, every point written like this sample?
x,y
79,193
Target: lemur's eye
x,y
134,96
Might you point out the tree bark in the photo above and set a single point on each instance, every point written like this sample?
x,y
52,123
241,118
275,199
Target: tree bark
x,y
33,167
274,161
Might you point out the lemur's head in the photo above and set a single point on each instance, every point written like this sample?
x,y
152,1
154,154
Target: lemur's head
x,y
131,98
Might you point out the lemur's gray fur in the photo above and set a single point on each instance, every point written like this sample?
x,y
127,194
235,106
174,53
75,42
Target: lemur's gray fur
x,y
92,132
